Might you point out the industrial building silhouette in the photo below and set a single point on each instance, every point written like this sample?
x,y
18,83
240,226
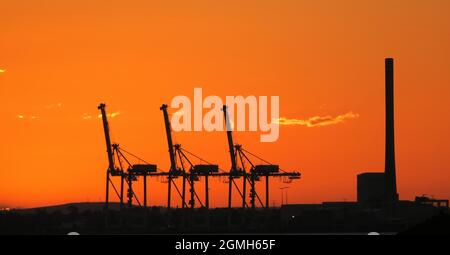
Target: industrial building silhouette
x,y
378,207
381,188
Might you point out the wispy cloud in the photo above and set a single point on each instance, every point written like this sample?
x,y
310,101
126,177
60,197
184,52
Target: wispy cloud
x,y
44,114
22,117
84,116
110,115
317,121
38,114
87,116
114,114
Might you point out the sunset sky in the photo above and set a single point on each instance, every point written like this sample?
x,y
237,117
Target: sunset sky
x,y
324,59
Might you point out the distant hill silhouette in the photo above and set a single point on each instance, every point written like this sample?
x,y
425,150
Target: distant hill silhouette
x,y
69,207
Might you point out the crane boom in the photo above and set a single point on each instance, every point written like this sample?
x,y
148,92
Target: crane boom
x,y
102,107
169,137
173,165
109,150
230,139
232,156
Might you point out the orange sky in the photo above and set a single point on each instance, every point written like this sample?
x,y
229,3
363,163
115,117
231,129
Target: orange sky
x,y
61,58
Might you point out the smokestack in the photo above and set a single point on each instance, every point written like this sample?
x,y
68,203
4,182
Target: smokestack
x,y
389,168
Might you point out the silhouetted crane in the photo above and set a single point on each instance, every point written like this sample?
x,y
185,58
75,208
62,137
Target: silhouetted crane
x,y
190,173
131,174
234,171
252,175
181,166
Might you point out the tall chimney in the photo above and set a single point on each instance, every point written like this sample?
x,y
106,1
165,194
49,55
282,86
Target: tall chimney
x,y
389,167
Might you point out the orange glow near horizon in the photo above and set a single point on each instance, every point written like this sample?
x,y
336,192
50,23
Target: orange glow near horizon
x,y
324,59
